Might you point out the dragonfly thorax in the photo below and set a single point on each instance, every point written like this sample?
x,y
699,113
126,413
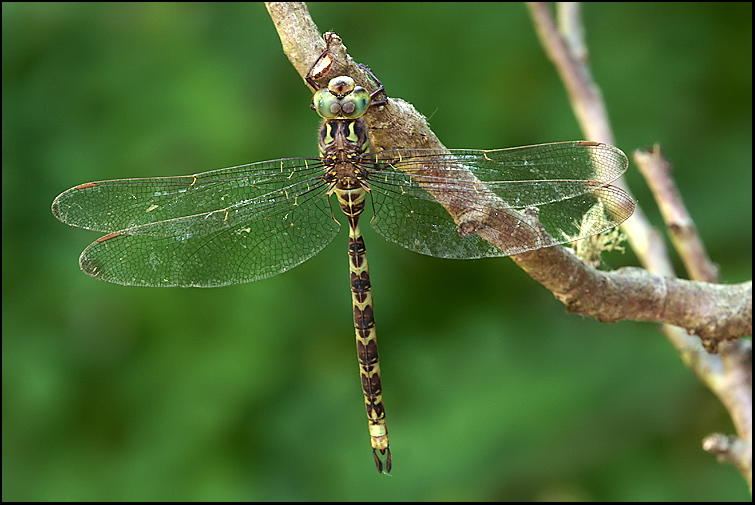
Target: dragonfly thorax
x,y
345,152
342,135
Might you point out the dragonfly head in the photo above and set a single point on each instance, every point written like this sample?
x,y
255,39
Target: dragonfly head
x,y
341,99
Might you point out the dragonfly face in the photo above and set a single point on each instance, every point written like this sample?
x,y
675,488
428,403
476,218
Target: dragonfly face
x,y
342,99
249,222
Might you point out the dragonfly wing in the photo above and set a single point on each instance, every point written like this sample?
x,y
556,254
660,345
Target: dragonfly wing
x,y
519,199
585,215
110,206
520,176
223,227
427,227
267,242
574,160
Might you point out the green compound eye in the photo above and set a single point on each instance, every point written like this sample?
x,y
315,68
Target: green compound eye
x,y
355,104
326,105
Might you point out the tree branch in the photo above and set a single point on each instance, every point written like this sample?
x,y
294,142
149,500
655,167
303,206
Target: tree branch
x,y
581,288
713,312
728,374
657,172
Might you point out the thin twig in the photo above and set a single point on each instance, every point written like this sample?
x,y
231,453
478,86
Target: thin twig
x,y
728,374
657,172
732,380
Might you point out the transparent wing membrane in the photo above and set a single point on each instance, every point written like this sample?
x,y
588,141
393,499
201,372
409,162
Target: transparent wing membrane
x,y
250,222
228,226
561,183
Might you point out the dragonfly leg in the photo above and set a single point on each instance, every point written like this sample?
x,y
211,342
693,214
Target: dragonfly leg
x,y
380,89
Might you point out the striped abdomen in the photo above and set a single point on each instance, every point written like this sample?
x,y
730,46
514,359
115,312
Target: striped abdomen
x,y
345,148
352,203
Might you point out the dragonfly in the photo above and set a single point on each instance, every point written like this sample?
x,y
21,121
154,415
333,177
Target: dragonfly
x,y
250,222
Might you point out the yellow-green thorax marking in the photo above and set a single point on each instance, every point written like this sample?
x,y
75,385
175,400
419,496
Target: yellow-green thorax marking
x,y
345,152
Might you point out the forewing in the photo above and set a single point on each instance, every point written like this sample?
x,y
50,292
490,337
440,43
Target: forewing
x,y
114,205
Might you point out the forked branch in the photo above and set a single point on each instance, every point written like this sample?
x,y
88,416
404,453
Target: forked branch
x,y
715,314
581,288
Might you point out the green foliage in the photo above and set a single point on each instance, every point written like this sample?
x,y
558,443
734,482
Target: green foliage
x,y
251,392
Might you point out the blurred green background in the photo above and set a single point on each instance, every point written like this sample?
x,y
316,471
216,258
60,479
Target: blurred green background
x,y
493,391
